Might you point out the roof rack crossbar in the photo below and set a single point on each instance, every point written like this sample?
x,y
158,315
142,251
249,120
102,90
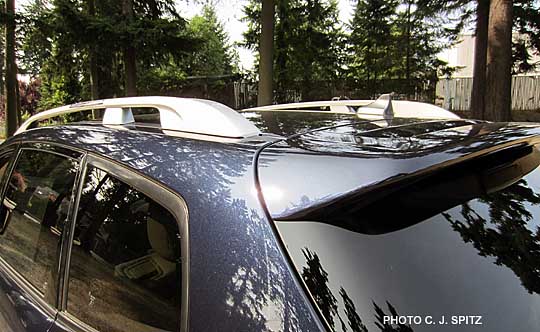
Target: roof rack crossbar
x,y
382,108
198,116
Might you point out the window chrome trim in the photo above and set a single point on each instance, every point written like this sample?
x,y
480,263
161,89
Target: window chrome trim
x,y
65,245
68,322
51,150
9,204
48,145
162,195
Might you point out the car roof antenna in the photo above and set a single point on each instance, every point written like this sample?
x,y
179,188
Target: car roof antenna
x,y
384,103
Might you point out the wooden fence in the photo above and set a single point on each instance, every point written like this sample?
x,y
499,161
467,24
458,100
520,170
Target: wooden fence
x,y
455,94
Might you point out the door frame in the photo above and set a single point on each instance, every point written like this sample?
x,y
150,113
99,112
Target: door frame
x,y
28,290
162,195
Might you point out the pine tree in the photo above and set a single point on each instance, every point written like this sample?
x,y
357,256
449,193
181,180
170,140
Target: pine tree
x,y
34,36
421,34
81,45
307,44
526,23
215,55
11,83
2,34
398,40
129,51
372,42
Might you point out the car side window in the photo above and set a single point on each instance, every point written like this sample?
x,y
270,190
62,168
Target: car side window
x,y
125,270
5,157
4,162
37,200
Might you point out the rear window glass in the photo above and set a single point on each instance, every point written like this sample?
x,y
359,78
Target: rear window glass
x,y
457,252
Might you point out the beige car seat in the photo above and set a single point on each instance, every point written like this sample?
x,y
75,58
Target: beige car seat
x,y
159,263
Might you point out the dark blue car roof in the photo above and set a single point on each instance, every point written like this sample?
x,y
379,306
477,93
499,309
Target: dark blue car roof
x,y
240,272
230,237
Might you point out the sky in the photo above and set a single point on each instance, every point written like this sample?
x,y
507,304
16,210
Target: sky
x,y
230,13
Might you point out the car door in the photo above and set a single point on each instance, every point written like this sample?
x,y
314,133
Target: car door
x,y
127,262
38,183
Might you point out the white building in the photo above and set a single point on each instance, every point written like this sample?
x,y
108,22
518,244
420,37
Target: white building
x,y
462,56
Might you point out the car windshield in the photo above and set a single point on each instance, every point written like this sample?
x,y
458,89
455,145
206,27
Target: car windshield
x,y
460,251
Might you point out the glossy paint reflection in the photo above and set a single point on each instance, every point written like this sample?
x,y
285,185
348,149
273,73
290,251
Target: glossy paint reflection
x,y
18,312
479,258
239,277
316,168
291,123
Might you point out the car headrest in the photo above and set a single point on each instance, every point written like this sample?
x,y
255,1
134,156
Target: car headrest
x,y
160,240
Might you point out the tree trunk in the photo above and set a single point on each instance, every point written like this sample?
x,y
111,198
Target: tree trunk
x,y
281,54
2,58
480,58
92,58
11,71
408,51
18,98
499,62
130,56
2,62
309,57
266,50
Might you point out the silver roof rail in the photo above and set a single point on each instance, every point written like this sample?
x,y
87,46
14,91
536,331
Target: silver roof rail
x,y
196,116
370,109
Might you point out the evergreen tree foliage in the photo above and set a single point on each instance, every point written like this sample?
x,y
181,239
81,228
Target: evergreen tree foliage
x,y
60,77
386,40
527,25
34,37
399,40
372,41
67,33
308,42
214,56
62,41
74,45
421,36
